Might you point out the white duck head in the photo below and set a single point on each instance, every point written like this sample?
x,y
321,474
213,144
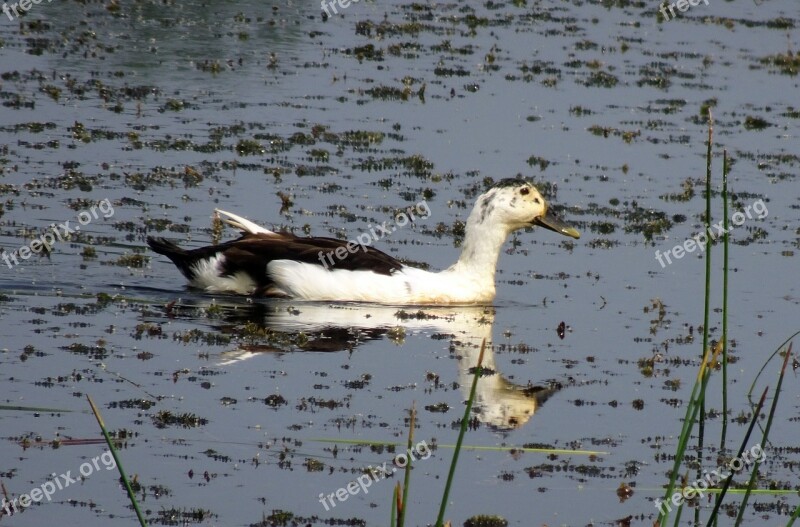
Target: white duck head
x,y
509,205
513,204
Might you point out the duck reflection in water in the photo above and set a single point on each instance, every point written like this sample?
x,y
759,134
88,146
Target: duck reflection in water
x,y
282,326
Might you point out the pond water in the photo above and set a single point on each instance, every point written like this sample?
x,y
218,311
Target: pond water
x,y
233,411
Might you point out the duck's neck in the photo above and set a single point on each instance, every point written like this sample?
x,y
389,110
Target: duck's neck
x,y
481,249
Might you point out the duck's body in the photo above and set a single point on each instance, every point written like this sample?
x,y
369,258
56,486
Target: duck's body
x,y
278,264
229,269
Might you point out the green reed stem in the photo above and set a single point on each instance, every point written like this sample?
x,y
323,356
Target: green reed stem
x,y
395,499
724,300
464,423
698,392
729,479
764,366
795,515
680,508
401,514
678,516
707,307
754,473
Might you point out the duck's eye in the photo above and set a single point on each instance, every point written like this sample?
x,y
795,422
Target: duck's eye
x,y
524,191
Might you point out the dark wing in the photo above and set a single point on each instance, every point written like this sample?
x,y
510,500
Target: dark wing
x,y
329,252
252,252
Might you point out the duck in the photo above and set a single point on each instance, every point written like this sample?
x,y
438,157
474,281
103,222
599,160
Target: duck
x,y
265,263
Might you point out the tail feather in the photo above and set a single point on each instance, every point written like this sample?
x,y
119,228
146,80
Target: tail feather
x,y
246,226
163,246
182,258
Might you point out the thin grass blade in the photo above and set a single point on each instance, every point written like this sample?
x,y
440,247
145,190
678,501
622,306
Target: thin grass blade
x,y
121,470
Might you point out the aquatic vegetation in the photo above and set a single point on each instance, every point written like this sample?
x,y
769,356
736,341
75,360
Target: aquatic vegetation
x,y
139,404
275,400
602,79
536,160
787,63
603,227
755,123
646,221
486,521
93,352
132,260
248,147
686,195
605,131
166,418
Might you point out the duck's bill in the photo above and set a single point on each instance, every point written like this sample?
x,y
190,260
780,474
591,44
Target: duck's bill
x,y
548,221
